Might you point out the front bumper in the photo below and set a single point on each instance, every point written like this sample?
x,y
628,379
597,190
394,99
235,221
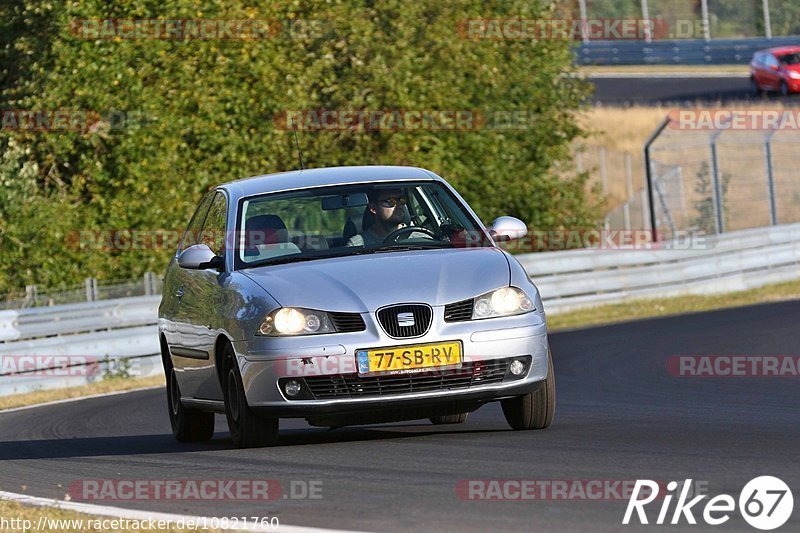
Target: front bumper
x,y
264,362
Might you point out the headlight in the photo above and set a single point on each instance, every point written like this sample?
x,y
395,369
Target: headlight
x,y
506,301
794,74
295,321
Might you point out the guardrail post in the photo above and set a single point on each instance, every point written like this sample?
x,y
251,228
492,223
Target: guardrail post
x,y
626,207
91,289
773,210
30,296
148,287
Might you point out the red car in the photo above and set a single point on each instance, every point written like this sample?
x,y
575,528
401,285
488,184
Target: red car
x,y
776,69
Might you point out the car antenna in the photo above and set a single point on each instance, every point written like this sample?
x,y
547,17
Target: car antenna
x,y
299,151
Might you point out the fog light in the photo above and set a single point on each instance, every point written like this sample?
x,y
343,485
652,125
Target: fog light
x,y
292,388
517,367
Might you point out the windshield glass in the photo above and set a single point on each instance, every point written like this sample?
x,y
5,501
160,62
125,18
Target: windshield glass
x,y
350,220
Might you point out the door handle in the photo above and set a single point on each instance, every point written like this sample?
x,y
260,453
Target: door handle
x,y
179,294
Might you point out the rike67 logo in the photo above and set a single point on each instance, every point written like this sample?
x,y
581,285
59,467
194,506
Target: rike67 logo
x,y
765,503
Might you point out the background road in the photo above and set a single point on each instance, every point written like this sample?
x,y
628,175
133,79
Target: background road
x,y
620,416
649,90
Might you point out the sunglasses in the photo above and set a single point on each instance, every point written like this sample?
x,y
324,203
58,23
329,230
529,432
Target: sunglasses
x,y
393,201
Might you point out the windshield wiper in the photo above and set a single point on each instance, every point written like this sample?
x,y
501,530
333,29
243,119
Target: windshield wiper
x,y
401,248
289,259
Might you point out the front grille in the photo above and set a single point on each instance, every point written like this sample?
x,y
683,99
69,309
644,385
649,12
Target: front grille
x,y
471,374
347,322
459,311
417,316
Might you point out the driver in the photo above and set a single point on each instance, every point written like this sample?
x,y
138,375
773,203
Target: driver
x,y
388,207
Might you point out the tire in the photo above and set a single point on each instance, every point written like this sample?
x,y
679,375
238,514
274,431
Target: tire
x,y
188,425
534,410
449,419
755,89
248,430
784,89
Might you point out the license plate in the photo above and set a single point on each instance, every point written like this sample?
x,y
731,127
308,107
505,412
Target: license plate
x,y
414,358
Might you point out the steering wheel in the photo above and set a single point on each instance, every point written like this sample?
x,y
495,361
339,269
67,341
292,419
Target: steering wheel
x,y
395,235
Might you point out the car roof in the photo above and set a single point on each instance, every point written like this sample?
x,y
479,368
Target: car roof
x,y
782,50
322,177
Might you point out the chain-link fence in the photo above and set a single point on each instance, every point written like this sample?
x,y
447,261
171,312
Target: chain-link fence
x,y
91,290
704,179
724,180
699,19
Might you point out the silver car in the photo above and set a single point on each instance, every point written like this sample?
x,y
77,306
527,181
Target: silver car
x,y
351,295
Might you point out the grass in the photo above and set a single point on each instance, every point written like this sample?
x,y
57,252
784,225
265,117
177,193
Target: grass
x,y
11,511
638,309
744,70
101,387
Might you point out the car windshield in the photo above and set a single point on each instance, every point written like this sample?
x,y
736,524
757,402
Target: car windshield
x,y
351,220
790,59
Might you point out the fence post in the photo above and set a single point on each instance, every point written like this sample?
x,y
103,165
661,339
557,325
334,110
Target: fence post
x,y
773,210
148,287
706,25
603,175
646,19
717,191
584,28
645,213
767,22
648,170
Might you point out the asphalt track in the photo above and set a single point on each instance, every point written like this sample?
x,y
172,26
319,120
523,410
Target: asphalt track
x,y
680,91
620,416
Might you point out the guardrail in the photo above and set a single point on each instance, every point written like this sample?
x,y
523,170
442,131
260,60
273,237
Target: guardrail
x,y
676,52
734,261
70,319
126,328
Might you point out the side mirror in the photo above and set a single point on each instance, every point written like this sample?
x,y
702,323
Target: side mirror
x,y
507,229
200,257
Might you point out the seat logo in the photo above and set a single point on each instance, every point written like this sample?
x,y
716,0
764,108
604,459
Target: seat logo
x,y
405,319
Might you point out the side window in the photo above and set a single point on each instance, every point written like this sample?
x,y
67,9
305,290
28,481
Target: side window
x,y
190,236
213,234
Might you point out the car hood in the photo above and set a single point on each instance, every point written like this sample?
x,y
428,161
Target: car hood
x,y
363,283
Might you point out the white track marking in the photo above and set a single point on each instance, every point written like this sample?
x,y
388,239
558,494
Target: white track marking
x,y
131,514
76,399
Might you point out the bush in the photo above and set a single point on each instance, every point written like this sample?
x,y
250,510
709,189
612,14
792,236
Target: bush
x,y
203,113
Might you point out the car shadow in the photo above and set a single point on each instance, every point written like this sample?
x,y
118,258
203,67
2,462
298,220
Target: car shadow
x,y
131,445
